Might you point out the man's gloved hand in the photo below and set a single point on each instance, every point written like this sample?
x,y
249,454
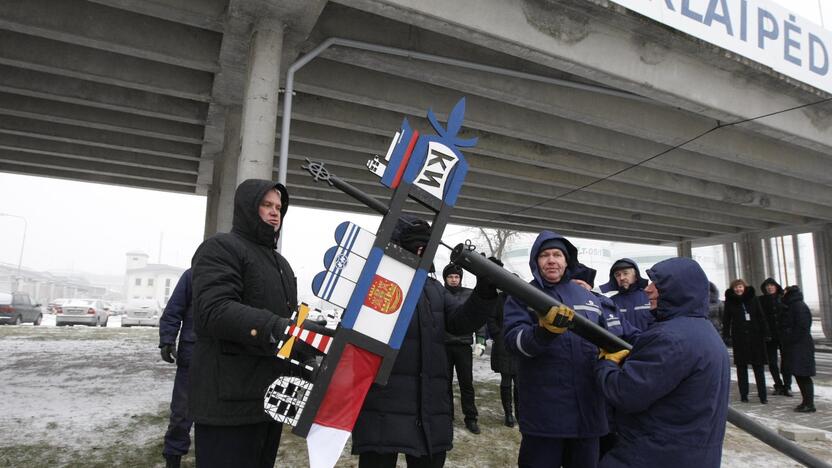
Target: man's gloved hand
x,y
484,287
557,319
168,352
616,357
280,330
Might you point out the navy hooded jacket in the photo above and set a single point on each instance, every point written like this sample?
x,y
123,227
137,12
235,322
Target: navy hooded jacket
x,y
558,396
632,302
671,393
178,317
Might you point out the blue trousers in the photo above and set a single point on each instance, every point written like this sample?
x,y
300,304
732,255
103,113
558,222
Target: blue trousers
x,y
178,435
545,452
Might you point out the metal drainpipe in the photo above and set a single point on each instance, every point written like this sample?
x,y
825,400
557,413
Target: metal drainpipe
x,y
337,41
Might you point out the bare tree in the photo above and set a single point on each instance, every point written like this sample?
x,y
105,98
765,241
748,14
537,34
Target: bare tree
x,y
496,239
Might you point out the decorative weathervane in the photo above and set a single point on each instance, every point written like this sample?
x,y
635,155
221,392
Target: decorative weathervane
x,y
375,282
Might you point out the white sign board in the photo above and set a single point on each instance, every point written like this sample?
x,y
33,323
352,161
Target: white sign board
x,y
757,29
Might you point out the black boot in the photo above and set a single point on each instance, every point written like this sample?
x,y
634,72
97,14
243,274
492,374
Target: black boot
x,y
172,461
505,397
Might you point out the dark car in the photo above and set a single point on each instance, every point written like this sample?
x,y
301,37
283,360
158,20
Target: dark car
x,y
17,308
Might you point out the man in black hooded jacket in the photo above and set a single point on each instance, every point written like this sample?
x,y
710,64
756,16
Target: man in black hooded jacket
x,y
458,348
412,413
244,292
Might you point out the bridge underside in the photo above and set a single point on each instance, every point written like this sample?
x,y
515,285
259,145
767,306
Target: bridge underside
x,y
139,94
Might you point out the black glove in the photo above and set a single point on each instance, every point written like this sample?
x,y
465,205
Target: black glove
x,y
168,352
484,287
319,326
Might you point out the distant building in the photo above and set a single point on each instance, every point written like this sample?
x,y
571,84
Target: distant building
x,y
43,286
149,280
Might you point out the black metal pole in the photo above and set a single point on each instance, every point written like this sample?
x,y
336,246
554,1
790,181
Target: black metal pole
x,y
534,298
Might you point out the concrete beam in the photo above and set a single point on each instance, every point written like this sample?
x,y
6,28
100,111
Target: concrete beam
x,y
655,122
113,30
490,188
381,122
73,114
78,152
606,44
49,56
617,151
76,174
315,194
204,14
346,140
504,206
74,91
98,138
138,174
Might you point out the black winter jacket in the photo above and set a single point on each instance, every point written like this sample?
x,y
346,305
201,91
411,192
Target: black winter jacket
x,y
798,345
412,413
461,295
771,305
502,361
241,285
747,336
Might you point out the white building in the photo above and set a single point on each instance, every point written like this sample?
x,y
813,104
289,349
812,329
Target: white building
x,y
150,280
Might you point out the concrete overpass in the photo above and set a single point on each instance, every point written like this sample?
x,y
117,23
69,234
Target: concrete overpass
x,y
167,94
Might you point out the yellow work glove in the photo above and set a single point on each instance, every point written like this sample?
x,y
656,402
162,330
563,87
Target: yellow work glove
x,y
616,357
557,319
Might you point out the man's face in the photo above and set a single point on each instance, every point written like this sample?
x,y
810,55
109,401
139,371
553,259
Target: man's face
x,y
453,280
771,289
625,277
551,263
269,209
652,295
739,289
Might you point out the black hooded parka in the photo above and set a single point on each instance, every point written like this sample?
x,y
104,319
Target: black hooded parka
x,y
241,286
746,328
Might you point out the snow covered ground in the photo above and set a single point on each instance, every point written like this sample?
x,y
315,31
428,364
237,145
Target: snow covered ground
x,y
98,396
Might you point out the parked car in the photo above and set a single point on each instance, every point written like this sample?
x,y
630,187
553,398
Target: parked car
x,y
17,308
50,307
90,312
141,312
116,308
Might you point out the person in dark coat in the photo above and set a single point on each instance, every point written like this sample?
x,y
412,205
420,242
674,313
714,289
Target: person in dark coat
x,y
503,363
458,348
561,410
616,324
671,393
412,413
797,338
631,301
745,327
178,320
771,303
716,308
244,292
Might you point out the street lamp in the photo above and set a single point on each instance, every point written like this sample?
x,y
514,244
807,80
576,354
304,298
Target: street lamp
x,y
22,245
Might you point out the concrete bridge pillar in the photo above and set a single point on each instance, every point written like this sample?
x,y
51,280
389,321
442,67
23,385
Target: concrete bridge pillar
x,y
823,264
730,261
220,207
751,253
259,113
684,249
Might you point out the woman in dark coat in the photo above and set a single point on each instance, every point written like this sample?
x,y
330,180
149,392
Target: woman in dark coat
x,y
745,327
502,362
771,301
799,347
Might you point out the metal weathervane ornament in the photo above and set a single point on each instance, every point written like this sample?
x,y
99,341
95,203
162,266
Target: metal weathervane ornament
x,y
375,282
